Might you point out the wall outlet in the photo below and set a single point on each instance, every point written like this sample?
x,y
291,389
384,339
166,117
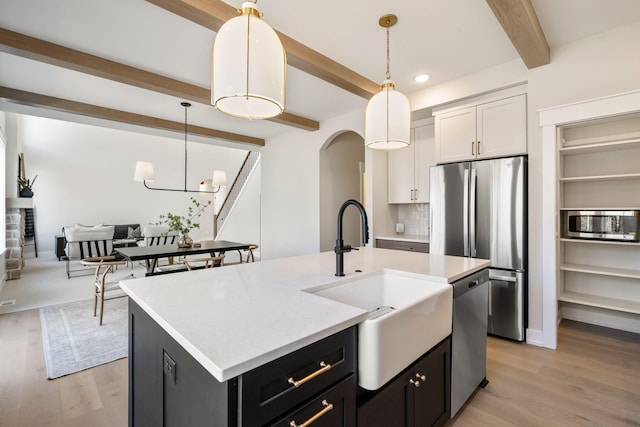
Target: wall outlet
x,y
399,228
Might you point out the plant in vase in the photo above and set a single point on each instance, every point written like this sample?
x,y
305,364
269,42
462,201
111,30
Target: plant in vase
x,y
26,186
184,224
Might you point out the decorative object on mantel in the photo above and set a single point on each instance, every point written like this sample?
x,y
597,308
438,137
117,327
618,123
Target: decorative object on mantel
x,y
26,186
144,171
184,224
388,112
249,67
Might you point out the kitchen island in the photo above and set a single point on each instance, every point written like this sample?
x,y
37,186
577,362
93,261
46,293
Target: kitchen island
x,y
234,320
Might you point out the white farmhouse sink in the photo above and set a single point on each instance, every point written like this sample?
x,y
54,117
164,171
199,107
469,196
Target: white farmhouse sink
x,y
391,339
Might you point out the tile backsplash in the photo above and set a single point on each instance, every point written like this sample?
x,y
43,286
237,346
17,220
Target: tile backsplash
x,y
415,218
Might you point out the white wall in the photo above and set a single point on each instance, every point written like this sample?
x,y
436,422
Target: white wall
x,y
291,187
85,175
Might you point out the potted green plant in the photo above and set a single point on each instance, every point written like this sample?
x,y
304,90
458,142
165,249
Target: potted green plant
x,y
26,186
184,224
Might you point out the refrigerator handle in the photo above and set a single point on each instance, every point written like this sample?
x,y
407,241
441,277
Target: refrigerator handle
x,y
472,213
465,214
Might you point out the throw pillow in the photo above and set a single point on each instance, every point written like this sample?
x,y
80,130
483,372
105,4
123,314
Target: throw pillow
x,y
134,233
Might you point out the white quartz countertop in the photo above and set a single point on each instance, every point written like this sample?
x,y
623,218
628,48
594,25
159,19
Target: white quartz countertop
x,y
239,317
405,238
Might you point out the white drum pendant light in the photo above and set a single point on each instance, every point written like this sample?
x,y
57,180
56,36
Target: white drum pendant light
x,y
249,67
388,113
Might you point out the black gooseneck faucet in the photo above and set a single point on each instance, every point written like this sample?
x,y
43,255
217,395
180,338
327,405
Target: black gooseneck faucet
x,y
340,248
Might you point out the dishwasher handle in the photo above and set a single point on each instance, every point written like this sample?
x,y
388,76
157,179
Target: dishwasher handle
x,y
469,283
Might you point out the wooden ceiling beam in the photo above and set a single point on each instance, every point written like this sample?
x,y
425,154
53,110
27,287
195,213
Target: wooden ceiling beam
x,y
89,110
519,20
54,54
213,13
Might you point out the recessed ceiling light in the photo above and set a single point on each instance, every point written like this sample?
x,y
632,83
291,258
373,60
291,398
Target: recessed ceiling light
x,y
421,78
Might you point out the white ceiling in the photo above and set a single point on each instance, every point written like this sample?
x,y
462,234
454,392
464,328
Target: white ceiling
x,y
447,39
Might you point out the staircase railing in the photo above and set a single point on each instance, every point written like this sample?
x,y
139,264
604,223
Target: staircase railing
x,y
236,189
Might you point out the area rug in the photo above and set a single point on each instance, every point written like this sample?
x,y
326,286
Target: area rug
x,y
73,340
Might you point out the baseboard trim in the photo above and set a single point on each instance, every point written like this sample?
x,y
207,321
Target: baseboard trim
x,y
535,337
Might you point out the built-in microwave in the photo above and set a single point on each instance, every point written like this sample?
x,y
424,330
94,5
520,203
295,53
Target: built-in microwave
x,y
604,225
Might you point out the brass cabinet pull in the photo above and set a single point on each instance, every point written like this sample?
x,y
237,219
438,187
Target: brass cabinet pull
x,y
421,377
324,367
415,383
327,407
473,145
478,148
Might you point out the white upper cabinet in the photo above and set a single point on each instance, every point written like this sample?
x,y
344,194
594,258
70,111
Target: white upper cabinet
x,y
502,127
485,130
456,135
409,167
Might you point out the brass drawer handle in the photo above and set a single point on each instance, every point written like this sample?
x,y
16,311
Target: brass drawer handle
x,y
324,367
473,144
327,407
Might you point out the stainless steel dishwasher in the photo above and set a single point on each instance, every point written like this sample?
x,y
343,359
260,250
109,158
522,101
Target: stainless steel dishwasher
x,y
469,337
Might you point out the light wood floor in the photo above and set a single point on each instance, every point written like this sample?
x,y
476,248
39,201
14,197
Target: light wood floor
x,y
593,379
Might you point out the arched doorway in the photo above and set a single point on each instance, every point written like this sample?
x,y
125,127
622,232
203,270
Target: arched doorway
x,y
341,179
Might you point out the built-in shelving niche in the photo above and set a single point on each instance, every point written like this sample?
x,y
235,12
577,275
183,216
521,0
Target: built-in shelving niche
x,y
599,169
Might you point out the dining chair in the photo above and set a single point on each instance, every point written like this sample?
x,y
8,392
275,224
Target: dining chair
x,y
209,262
250,254
154,235
86,242
105,289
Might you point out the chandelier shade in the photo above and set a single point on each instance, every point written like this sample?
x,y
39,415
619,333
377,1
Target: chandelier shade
x,y
144,172
388,112
249,67
219,179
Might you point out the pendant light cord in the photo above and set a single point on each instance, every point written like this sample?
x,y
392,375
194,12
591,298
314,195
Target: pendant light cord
x,y
388,75
185,146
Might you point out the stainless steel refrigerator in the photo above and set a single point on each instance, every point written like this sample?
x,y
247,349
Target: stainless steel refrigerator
x,y
479,210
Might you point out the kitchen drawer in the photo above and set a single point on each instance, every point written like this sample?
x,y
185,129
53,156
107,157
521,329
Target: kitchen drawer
x,y
402,245
335,407
266,392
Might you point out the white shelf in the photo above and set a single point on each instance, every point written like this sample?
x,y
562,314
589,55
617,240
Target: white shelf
x,y
616,177
600,146
601,302
603,271
600,242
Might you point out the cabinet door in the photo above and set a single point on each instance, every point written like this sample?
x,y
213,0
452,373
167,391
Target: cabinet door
x,y
456,135
401,173
432,399
424,146
502,127
390,407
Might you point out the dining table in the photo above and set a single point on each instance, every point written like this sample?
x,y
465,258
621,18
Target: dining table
x,y
151,254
